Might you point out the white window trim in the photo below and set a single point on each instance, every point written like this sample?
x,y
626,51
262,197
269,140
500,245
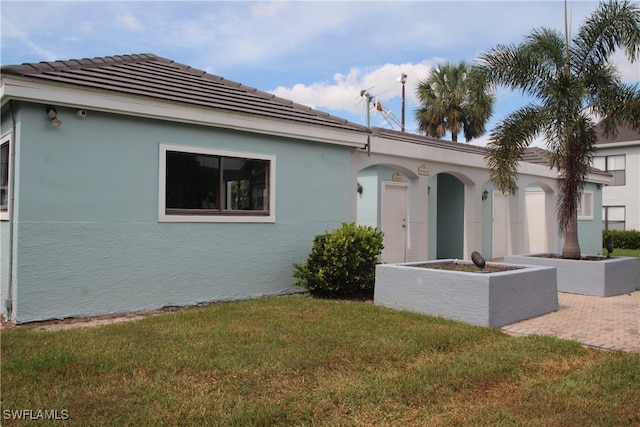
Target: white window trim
x,y
586,196
4,215
162,176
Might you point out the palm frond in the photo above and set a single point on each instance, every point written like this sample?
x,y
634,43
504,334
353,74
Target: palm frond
x,y
613,25
454,98
527,67
507,143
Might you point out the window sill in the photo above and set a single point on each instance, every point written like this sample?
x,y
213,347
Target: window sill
x,y
218,218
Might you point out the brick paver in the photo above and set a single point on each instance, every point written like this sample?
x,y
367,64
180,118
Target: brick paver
x,y
611,323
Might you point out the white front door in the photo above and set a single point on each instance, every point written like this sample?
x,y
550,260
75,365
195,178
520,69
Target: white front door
x,y
394,221
535,222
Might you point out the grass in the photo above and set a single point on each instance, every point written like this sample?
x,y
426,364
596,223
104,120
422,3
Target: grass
x,y
624,252
301,361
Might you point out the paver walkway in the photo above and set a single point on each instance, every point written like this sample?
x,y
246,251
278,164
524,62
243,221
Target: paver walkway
x,y
611,323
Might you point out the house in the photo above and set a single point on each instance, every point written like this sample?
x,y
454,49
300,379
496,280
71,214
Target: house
x,y
133,182
621,198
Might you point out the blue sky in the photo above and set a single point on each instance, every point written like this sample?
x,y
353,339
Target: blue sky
x,y
321,54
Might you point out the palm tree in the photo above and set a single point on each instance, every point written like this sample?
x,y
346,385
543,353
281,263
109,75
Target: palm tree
x,y
454,98
572,80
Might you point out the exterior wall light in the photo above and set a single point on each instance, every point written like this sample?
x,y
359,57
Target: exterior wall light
x,y
485,194
53,115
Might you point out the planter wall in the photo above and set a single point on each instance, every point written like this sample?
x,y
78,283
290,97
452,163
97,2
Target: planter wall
x,y
603,277
486,299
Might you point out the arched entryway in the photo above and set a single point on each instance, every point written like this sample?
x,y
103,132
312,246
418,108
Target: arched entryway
x,y
383,201
447,214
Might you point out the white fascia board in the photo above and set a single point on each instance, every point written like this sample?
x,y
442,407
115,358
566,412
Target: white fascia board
x,y
442,155
113,102
622,144
380,145
599,179
527,168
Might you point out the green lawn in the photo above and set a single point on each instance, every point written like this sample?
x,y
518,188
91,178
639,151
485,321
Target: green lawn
x,y
301,361
623,252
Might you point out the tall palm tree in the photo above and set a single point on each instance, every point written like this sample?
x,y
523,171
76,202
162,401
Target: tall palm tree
x,y
572,80
454,98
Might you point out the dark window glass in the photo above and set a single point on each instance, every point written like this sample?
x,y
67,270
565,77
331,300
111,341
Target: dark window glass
x,y
245,184
192,181
209,184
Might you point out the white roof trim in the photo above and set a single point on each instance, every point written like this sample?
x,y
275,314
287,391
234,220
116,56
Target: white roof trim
x,y
26,89
429,153
605,145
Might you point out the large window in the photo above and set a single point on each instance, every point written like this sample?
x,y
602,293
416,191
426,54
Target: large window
x,y
4,180
202,185
614,165
613,217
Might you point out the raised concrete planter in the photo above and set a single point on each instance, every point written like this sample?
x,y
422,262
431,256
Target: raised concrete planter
x,y
486,299
598,276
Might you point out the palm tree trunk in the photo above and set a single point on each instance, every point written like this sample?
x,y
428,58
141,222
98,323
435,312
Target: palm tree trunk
x,y
571,247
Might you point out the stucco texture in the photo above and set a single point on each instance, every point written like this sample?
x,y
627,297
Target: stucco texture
x,y
88,240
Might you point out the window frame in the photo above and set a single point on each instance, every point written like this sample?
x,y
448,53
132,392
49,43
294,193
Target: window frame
x,y
4,210
618,174
208,216
606,222
585,196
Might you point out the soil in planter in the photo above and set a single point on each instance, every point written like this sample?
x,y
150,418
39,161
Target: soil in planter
x,y
584,258
469,268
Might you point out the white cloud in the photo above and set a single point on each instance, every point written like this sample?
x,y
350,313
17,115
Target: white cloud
x,y
129,22
629,71
343,93
86,27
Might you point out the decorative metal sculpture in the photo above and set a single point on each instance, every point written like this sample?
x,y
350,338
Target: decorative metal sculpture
x,y
608,244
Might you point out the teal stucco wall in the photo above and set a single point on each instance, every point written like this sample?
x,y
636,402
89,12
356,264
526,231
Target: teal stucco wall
x,y
88,241
590,230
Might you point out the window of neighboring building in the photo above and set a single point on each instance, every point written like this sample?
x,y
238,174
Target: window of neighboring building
x,y
203,185
4,180
613,217
585,206
615,165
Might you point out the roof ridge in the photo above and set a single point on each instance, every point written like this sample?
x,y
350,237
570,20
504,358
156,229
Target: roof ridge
x,y
94,62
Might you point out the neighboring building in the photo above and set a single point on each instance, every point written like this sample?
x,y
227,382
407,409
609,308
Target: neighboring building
x,y
133,182
621,199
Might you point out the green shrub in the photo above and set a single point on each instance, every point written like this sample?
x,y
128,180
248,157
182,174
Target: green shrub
x,y
341,262
627,239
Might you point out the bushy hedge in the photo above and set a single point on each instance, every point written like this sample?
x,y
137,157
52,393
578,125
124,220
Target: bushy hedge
x,y
627,239
341,262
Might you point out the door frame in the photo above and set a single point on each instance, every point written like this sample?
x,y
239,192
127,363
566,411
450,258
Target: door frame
x,y
405,186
